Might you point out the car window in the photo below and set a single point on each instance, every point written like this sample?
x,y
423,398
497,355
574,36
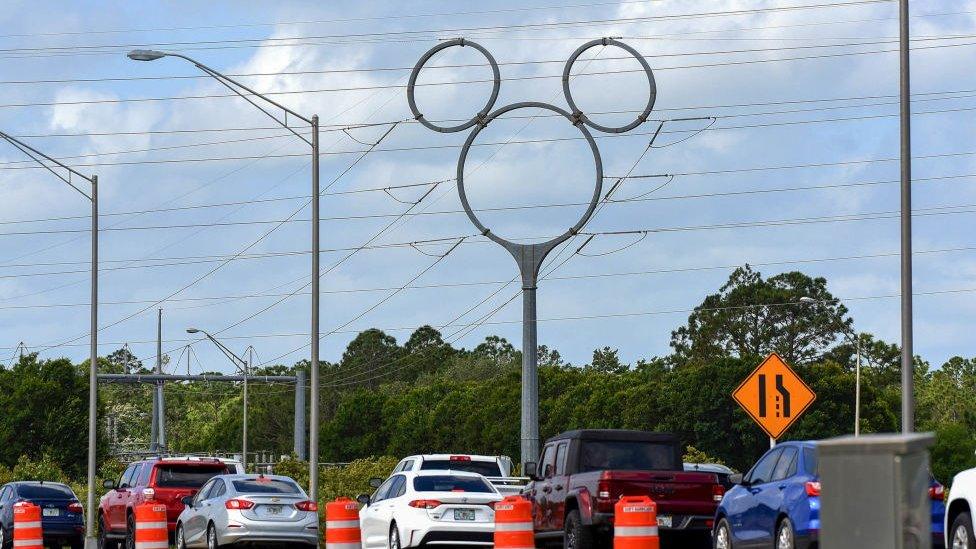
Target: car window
x,y
787,460
382,491
561,458
263,485
810,461
398,487
451,483
143,477
486,468
126,478
763,471
599,455
45,491
548,461
170,475
407,465
5,493
137,473
202,494
219,489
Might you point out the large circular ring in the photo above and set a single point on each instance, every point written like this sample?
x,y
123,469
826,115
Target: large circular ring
x,y
496,86
598,162
652,96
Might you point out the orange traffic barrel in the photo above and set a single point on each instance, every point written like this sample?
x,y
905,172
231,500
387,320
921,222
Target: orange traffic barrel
x,y
342,524
635,523
28,532
513,524
151,531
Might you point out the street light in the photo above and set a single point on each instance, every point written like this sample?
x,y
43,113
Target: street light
x,y
245,367
40,157
236,87
857,376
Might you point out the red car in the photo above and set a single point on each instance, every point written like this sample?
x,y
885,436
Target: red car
x,y
165,481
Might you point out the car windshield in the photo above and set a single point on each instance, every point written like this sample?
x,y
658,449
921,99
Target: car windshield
x,y
599,455
266,486
45,491
186,476
451,483
486,468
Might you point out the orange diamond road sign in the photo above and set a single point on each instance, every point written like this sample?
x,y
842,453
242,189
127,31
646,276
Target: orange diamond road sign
x,y
774,396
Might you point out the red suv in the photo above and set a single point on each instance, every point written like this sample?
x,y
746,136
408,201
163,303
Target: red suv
x,y
163,480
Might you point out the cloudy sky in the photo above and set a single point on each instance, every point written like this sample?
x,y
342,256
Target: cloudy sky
x,y
778,133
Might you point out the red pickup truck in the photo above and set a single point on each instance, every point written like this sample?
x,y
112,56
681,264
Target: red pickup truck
x,y
582,474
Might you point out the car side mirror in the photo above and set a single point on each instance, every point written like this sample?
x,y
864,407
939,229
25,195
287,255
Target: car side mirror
x,y
108,484
187,500
375,482
363,500
737,479
531,470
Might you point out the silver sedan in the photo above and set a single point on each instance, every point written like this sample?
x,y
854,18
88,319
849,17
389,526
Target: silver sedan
x,y
257,510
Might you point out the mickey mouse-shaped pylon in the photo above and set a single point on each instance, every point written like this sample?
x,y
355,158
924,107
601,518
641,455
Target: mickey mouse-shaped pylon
x,y
530,256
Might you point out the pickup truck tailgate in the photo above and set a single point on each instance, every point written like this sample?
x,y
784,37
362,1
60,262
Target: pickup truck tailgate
x,y
677,492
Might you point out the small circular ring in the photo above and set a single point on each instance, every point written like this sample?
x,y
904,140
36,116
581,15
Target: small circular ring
x,y
652,96
495,87
597,160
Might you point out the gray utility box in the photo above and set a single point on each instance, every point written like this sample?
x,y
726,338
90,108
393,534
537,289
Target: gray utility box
x,y
875,492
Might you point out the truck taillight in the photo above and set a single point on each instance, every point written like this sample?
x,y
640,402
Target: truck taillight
x,y
238,504
813,488
937,493
425,503
718,491
75,507
604,503
307,506
148,494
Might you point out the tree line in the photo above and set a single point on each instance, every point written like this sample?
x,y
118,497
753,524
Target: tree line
x,y
386,398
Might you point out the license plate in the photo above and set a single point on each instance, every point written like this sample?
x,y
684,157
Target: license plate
x,y
273,509
52,512
664,521
464,514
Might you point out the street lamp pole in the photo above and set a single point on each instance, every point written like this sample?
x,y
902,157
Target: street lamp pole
x,y
313,122
40,158
244,367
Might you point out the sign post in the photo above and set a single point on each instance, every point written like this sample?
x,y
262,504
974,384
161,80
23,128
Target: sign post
x,y
774,396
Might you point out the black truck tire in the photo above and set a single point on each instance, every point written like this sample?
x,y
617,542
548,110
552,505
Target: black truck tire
x,y
577,535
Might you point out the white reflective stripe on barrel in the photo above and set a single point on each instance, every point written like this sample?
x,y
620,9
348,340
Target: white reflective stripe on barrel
x,y
513,526
150,525
634,531
349,545
29,542
341,524
30,524
152,545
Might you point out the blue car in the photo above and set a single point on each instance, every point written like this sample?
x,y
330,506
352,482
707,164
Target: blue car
x,y
937,497
777,504
61,514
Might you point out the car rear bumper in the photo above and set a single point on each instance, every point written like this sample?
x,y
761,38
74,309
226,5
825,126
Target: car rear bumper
x,y
434,535
679,523
250,532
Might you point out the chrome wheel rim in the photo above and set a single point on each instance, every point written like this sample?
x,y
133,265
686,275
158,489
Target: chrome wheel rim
x,y
960,538
722,538
785,538
212,538
180,542
394,538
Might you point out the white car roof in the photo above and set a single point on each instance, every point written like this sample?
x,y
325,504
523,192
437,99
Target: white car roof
x,y
439,473
472,457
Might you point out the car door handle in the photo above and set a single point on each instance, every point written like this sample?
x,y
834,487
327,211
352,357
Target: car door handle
x,y
782,487
754,491
546,489
559,487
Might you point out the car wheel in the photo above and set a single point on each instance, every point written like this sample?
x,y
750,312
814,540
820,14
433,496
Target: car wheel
x,y
130,532
784,535
103,541
723,535
4,544
212,537
180,539
961,533
575,534
394,542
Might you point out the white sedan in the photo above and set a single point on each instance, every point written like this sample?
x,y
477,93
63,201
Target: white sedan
x,y
418,508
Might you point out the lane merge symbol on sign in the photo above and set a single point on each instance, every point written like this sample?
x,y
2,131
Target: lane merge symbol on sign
x,y
774,396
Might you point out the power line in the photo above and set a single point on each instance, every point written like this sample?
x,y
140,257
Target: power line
x,y
266,41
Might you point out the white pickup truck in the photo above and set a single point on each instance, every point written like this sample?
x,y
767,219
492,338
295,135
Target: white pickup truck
x,y
497,469
959,511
